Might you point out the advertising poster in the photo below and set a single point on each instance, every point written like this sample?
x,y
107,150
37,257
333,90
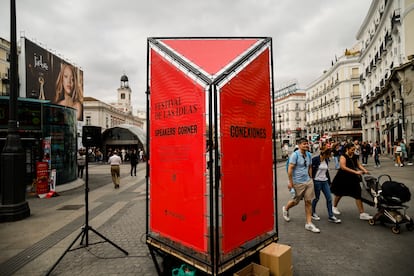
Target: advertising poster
x,y
247,163
178,162
49,77
42,176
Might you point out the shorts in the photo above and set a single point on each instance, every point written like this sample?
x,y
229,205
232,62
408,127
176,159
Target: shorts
x,y
304,191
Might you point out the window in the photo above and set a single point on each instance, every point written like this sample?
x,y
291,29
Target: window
x,y
88,120
122,96
355,89
355,73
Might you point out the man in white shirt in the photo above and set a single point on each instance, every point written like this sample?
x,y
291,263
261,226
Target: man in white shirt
x,y
115,161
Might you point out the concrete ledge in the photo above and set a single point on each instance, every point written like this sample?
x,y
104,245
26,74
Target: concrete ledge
x,y
70,185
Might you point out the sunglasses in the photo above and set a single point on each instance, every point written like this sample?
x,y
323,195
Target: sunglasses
x,y
304,160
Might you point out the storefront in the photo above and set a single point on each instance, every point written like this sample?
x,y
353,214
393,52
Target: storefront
x,y
40,121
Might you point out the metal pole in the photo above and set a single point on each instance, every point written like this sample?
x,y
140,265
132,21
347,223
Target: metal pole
x,y
13,189
280,129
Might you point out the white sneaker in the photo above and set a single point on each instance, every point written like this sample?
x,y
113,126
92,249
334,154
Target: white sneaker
x,y
311,227
334,219
335,211
364,216
315,216
285,214
396,165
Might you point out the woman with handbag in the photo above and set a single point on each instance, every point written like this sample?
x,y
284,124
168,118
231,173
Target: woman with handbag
x,y
347,179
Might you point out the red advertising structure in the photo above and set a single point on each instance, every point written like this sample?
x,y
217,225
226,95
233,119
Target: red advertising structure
x,y
211,175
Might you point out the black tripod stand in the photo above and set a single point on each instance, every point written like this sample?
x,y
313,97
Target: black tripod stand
x,y
85,229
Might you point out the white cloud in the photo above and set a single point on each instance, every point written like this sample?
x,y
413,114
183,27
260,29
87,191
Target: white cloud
x,y
109,38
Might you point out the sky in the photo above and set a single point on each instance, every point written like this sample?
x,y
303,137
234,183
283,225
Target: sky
x,y
109,38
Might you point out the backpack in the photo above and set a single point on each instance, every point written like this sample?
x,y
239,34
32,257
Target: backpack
x,y
297,156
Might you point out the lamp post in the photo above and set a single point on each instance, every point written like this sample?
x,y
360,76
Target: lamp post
x,y
13,189
280,129
378,108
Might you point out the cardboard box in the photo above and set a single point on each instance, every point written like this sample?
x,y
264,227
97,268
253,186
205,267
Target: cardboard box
x,y
278,258
253,270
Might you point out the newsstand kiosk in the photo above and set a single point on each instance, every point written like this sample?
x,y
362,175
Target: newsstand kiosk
x,y
211,170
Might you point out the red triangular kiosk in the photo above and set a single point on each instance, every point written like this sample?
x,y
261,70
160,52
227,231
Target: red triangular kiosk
x,y
211,171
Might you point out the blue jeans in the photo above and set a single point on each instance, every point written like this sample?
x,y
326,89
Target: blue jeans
x,y
326,190
336,158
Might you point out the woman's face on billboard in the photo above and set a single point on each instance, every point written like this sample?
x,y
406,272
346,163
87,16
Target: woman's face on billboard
x,y
68,80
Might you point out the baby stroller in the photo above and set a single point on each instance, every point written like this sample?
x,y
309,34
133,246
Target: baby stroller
x,y
388,197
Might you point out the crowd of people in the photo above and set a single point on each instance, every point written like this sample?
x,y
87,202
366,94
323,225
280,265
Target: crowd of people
x,y
308,177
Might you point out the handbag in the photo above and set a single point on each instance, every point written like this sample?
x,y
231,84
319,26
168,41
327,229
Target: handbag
x,y
184,270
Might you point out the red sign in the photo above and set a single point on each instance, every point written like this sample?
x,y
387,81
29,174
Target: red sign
x,y
42,176
247,174
178,162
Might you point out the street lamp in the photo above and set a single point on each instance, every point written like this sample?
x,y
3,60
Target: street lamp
x,y
280,129
13,189
378,109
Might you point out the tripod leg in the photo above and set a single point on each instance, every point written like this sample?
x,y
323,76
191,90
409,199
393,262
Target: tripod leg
x,y
154,260
66,251
85,234
106,239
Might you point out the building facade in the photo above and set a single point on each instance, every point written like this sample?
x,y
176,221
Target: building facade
x,y
101,114
332,100
290,113
98,113
387,76
4,67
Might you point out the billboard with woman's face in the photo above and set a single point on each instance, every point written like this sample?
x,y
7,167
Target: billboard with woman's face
x,y
49,77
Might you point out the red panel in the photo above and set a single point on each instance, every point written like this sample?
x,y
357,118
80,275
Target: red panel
x,y
247,163
177,161
210,54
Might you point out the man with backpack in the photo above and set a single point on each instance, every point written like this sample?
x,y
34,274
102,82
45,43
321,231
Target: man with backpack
x,y
300,179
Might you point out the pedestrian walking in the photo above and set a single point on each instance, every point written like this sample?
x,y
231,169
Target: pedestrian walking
x,y
404,155
321,182
141,155
347,181
81,161
115,162
365,151
300,178
357,149
337,151
411,152
376,152
134,161
397,154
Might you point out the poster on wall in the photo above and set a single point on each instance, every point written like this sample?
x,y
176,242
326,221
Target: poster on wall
x,y
49,77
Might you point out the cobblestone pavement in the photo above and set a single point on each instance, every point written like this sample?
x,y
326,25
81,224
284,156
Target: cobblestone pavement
x,y
33,245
